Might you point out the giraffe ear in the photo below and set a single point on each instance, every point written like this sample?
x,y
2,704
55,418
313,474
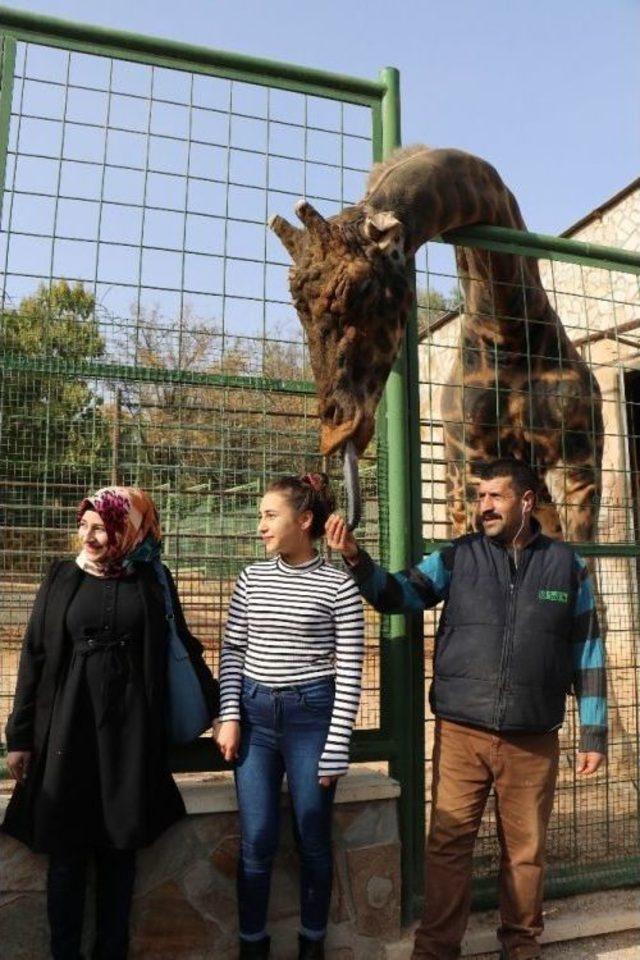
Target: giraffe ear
x,y
387,232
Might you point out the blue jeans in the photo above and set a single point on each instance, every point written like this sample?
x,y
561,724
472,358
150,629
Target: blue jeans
x,y
284,730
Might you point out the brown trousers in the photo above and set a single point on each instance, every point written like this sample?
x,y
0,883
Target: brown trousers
x,y
522,769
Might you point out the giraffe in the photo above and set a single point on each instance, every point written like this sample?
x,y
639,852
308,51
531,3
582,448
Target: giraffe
x,y
519,387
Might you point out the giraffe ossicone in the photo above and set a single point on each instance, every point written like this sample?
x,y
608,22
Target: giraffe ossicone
x,y
519,387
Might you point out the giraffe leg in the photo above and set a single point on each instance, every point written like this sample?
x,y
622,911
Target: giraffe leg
x,y
546,513
576,491
456,501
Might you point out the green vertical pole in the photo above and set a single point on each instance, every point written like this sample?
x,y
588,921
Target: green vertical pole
x,y
8,53
403,700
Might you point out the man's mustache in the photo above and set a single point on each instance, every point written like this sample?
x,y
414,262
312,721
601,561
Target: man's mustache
x,y
490,516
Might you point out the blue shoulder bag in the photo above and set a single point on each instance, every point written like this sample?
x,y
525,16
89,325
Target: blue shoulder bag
x,y
188,715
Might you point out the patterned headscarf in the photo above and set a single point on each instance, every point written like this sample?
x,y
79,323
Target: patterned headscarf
x,y
133,530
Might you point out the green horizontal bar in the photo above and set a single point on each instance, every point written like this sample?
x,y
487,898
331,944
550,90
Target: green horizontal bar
x,y
197,757
545,246
564,881
113,371
201,755
584,549
607,549
370,745
35,28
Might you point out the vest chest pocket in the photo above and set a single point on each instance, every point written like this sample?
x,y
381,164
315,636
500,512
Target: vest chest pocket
x,y
547,608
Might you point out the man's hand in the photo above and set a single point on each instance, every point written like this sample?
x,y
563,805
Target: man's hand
x,y
18,762
227,736
588,763
341,539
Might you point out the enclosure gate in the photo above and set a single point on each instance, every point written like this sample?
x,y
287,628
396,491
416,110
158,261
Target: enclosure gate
x,y
148,338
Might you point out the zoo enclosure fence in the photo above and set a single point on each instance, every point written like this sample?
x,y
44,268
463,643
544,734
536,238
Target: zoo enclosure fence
x,y
148,337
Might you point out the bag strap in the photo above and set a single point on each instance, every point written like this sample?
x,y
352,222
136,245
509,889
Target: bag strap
x,y
175,644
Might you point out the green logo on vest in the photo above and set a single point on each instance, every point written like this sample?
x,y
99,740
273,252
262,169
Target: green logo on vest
x,y
556,596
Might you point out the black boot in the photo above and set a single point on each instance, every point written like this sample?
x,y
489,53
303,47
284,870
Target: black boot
x,y
254,949
310,949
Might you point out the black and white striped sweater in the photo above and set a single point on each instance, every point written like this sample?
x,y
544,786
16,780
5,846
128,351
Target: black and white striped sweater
x,y
290,625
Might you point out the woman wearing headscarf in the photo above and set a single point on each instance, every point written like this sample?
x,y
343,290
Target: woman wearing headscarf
x,y
87,739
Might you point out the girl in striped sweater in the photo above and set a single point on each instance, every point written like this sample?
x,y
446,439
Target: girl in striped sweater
x,y
290,677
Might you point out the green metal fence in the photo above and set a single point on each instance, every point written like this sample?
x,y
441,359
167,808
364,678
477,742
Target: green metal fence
x,y
148,337
147,331
595,827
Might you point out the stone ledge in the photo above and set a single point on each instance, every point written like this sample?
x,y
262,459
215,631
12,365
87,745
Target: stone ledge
x,y
215,792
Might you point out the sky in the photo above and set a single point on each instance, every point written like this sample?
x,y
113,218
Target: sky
x,y
136,195
545,90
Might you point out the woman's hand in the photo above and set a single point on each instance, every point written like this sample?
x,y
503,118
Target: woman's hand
x,y
328,781
227,736
339,538
18,762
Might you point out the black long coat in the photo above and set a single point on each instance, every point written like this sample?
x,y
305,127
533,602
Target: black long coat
x,y
44,651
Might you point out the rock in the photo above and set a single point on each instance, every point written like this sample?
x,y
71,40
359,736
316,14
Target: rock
x,y
379,889
20,869
344,815
25,931
374,874
225,856
166,926
167,858
210,829
341,906
213,896
376,823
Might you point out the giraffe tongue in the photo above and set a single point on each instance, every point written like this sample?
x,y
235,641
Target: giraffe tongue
x,y
352,484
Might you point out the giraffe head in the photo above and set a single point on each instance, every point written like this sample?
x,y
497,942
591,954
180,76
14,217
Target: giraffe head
x,y
351,290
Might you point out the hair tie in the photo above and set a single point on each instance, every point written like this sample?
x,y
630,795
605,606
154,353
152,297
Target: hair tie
x,y
315,480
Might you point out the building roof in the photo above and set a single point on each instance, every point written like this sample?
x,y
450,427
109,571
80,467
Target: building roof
x,y
440,320
598,212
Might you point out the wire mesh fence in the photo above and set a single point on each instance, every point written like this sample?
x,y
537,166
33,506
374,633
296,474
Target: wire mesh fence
x,y
148,337
595,827
147,332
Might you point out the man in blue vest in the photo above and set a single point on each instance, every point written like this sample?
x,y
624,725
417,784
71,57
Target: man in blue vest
x,y
518,632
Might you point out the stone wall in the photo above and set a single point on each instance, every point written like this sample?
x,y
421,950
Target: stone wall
x,y
185,906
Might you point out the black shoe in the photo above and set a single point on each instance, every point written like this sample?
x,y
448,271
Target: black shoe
x,y
254,949
310,949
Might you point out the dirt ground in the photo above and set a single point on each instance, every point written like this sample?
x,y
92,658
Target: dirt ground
x,y
613,946
590,913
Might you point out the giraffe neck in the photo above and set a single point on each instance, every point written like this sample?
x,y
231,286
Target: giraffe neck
x,y
434,191
505,303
